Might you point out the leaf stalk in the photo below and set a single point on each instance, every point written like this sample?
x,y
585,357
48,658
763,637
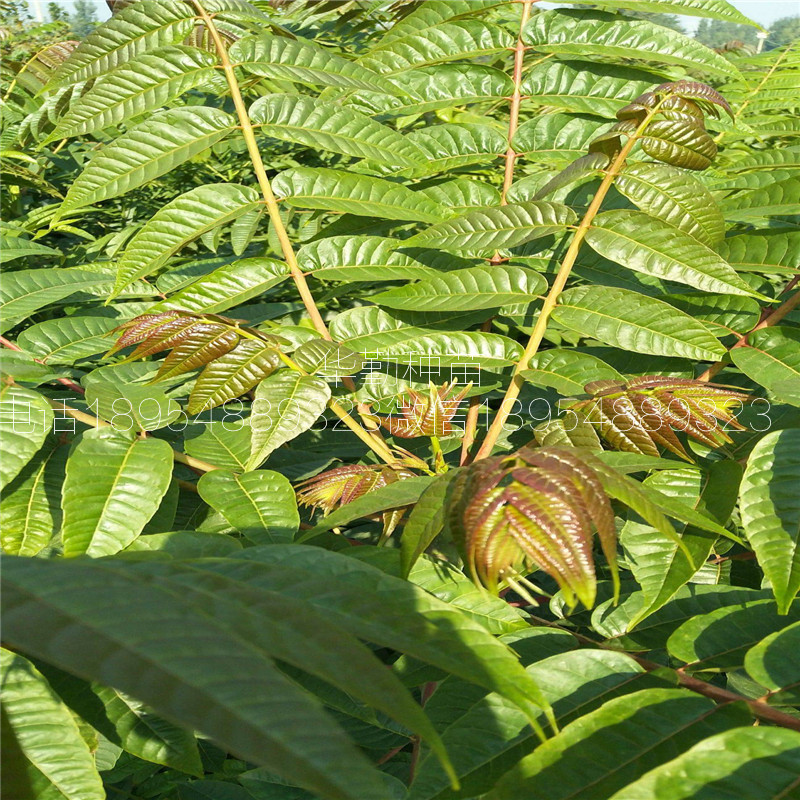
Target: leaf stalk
x,y
248,133
471,422
550,302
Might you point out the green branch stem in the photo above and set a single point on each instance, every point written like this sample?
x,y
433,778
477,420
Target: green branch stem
x,y
95,422
754,92
261,174
372,438
550,302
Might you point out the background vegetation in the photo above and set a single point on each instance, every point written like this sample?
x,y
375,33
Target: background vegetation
x,y
400,401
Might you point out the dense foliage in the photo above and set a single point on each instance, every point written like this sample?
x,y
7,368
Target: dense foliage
x,y
401,401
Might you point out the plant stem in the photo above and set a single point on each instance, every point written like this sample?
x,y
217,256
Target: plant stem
x,y
427,692
755,91
378,446
471,423
261,173
96,422
770,318
517,381
269,198
516,99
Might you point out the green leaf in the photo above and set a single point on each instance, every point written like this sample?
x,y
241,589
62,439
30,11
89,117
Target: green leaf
x,y
393,495
771,160
491,228
224,442
434,13
180,545
721,638
130,640
568,371
232,374
779,199
155,147
466,290
461,194
646,244
763,251
57,762
133,31
285,405
565,182
127,723
327,358
675,197
577,86
350,193
261,505
328,126
129,407
657,564
25,291
66,340
486,735
771,662
426,520
771,358
770,509
144,84
368,328
431,88
447,41
713,9
556,137
30,512
648,727
636,323
14,247
743,762
727,313
300,61
448,583
392,612
244,230
454,145
597,34
371,330
362,258
25,420
128,479
486,350
229,285
20,366
179,222
692,600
